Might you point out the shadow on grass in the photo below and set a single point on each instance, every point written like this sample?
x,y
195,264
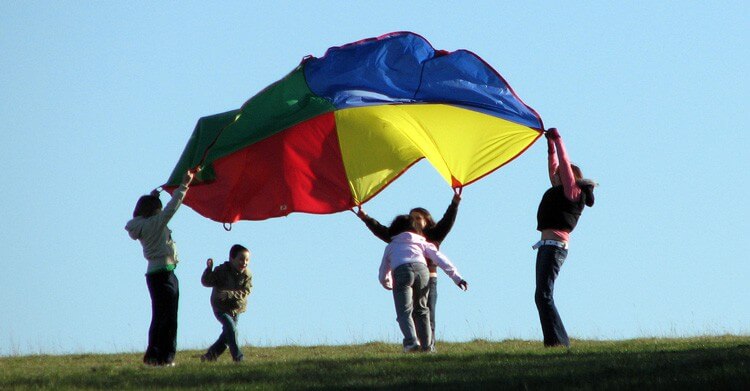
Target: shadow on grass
x,y
724,368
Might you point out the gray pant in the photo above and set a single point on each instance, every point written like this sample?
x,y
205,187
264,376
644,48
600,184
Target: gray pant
x,y
431,303
410,296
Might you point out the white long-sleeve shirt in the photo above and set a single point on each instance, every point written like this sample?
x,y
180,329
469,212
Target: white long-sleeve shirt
x,y
158,247
409,247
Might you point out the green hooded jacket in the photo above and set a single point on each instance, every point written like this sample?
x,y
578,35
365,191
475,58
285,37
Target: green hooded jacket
x,y
230,288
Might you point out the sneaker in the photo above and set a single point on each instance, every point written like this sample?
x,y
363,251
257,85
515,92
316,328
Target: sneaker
x,y
411,348
208,358
430,349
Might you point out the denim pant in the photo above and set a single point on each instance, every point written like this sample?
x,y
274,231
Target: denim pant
x,y
228,337
164,289
549,260
431,302
410,296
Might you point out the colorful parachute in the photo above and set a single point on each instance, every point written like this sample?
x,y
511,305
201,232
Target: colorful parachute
x,y
338,129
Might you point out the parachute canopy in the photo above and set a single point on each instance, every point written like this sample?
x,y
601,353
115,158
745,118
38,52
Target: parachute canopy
x,y
338,129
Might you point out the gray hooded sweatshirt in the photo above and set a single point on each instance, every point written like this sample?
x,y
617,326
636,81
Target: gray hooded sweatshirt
x,y
154,235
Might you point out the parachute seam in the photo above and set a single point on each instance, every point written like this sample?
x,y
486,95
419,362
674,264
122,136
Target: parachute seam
x,y
419,85
432,141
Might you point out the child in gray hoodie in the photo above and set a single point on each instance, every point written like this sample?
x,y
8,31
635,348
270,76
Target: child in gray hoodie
x,y
149,226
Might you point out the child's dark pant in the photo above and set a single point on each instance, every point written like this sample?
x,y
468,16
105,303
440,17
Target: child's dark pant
x,y
549,260
164,289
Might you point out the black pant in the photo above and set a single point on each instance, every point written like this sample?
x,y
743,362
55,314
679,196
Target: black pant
x,y
164,289
549,260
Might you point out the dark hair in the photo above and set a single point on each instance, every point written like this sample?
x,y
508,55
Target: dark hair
x,y
577,173
401,224
586,185
147,206
426,214
236,249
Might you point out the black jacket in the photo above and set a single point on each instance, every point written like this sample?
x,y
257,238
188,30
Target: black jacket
x,y
434,235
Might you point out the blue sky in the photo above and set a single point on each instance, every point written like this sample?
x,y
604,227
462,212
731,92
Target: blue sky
x,y
99,99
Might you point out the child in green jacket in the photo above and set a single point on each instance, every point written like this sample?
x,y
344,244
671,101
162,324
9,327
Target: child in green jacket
x,y
232,282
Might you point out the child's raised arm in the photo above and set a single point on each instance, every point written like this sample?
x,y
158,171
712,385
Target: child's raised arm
x,y
442,227
208,279
177,196
567,179
379,230
551,160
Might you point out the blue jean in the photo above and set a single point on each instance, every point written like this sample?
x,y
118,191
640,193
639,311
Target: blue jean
x,y
410,297
228,337
164,289
431,302
549,260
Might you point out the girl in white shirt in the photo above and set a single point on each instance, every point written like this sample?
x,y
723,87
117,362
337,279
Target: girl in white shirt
x,y
404,271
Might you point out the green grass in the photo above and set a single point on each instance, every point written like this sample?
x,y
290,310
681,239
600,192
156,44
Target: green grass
x,y
693,363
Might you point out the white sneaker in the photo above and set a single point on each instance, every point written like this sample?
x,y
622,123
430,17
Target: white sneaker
x,y
411,348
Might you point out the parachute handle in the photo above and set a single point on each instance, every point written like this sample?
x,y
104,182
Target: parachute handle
x,y
225,226
357,210
195,170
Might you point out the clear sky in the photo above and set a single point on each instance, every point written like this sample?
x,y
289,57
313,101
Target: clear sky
x,y
98,99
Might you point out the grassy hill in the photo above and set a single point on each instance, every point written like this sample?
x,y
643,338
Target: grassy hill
x,y
694,363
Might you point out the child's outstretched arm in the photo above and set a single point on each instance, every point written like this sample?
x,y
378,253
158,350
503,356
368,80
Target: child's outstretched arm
x,y
442,227
438,257
374,226
177,196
